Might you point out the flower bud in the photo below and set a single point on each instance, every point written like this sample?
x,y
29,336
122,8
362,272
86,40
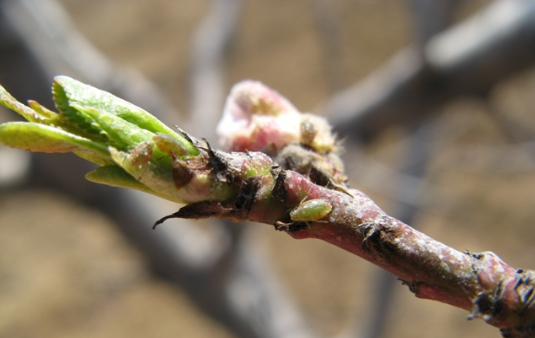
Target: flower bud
x,y
257,118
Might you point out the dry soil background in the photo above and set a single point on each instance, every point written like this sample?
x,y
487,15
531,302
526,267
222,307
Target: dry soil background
x,y
66,272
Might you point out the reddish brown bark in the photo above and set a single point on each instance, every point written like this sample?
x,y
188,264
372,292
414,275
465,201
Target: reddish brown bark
x,y
478,282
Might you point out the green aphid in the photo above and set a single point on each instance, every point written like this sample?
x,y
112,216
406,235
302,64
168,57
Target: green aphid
x,y
311,210
169,144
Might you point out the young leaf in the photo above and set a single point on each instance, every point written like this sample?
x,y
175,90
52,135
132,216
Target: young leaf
x,y
69,93
29,114
38,137
117,177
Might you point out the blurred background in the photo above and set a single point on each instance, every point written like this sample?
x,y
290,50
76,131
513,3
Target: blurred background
x,y
434,101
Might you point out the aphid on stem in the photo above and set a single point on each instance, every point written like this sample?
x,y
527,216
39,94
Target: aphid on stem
x,y
307,211
311,210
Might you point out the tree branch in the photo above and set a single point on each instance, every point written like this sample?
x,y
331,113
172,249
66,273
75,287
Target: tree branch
x,y
303,193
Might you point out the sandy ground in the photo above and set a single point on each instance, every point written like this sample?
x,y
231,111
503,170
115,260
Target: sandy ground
x,y
66,272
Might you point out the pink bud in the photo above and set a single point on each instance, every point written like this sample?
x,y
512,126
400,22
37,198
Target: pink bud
x,y
257,118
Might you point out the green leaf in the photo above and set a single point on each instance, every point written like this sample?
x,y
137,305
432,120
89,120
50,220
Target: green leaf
x,y
123,134
76,118
69,93
10,102
38,137
94,158
41,110
116,177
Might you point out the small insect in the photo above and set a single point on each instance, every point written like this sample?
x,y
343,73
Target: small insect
x,y
311,210
169,144
141,154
